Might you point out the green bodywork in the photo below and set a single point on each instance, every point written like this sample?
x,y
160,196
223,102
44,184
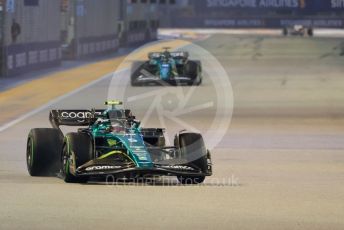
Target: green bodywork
x,y
130,139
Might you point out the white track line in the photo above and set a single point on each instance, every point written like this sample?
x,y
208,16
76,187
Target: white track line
x,y
58,99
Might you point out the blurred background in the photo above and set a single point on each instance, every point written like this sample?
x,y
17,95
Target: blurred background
x,y
278,165
38,34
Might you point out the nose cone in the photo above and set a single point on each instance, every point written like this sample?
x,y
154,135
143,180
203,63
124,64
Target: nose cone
x,y
165,71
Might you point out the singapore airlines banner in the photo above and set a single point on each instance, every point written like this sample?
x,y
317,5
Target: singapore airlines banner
x,y
256,3
257,13
308,5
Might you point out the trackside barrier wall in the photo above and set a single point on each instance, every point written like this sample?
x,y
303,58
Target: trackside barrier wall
x,y
141,22
96,27
91,27
31,35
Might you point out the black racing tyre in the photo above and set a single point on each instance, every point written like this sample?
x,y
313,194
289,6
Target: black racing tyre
x,y
310,32
198,80
136,69
192,149
285,31
77,150
43,151
135,72
193,70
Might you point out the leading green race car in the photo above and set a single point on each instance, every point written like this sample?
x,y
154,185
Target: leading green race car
x,y
113,143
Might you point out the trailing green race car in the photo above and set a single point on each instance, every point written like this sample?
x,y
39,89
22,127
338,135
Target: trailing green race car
x,y
113,143
167,67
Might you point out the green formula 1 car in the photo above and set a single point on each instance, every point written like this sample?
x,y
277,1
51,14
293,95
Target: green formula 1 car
x,y
113,143
167,68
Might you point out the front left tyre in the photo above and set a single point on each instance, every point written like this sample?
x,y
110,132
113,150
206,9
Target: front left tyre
x,y
43,151
136,68
77,150
136,71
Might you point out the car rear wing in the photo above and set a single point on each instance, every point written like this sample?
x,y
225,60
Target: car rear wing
x,y
74,117
154,55
178,54
79,117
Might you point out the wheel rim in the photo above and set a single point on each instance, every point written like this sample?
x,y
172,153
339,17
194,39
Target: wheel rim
x,y
29,154
65,161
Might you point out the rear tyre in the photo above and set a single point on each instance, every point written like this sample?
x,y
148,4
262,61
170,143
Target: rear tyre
x,y
43,151
77,150
192,149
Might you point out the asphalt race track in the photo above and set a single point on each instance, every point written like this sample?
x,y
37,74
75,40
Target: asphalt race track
x,y
280,165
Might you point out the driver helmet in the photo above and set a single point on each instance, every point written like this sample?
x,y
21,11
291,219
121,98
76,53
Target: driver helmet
x,y
166,55
117,127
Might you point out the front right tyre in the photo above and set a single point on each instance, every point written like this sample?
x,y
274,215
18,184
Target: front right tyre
x,y
193,150
193,70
